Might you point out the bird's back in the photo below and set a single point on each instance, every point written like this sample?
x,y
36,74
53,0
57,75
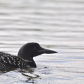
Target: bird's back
x,y
8,61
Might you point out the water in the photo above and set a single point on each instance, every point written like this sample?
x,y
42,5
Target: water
x,y
55,24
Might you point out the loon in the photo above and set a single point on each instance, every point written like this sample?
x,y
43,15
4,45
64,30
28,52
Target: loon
x,y
24,59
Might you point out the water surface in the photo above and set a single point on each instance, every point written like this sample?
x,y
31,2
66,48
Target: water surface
x,y
55,24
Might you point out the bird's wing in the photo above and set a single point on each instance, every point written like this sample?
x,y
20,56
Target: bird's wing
x,y
8,61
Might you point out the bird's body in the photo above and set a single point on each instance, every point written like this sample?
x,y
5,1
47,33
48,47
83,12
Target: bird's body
x,y
8,61
24,58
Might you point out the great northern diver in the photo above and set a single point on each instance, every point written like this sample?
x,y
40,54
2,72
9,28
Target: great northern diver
x,y
24,59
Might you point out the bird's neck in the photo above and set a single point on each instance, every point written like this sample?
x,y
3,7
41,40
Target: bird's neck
x,y
32,63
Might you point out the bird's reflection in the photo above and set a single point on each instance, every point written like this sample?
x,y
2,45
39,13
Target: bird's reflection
x,y
28,73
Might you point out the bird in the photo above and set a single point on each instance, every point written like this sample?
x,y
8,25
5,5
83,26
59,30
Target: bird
x,y
24,58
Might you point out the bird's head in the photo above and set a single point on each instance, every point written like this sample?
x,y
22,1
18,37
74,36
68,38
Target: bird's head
x,y
31,50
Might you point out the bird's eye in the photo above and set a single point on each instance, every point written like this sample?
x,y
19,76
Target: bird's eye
x,y
34,48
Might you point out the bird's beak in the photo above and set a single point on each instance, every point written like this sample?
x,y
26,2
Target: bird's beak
x,y
47,51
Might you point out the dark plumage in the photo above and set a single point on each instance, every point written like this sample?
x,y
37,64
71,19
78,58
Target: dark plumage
x,y
24,58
